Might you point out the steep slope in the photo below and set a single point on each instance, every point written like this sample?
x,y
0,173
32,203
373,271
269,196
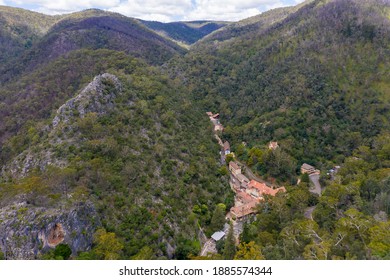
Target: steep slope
x,y
91,29
19,30
315,80
252,25
134,147
186,33
56,62
34,96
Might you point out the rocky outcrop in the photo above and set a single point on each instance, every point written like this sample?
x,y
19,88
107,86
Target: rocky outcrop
x,y
98,97
28,160
26,231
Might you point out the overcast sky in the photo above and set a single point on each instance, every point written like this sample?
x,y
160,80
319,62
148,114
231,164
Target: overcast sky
x,y
160,10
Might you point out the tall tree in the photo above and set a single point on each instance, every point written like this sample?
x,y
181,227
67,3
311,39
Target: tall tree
x,y
218,218
230,245
380,240
249,251
108,246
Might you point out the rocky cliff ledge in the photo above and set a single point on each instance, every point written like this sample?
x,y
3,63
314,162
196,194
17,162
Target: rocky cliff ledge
x,y
26,232
98,97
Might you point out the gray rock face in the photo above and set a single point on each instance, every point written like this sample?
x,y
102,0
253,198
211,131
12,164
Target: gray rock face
x,y
97,97
26,232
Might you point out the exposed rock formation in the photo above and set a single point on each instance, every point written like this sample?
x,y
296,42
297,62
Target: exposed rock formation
x,y
56,236
26,232
98,97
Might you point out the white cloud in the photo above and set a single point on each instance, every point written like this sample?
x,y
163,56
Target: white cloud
x,y
59,6
275,5
161,10
2,2
230,9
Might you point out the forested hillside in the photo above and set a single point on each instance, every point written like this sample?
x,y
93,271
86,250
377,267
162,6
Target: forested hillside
x,y
186,33
134,155
91,29
314,78
106,151
142,155
19,30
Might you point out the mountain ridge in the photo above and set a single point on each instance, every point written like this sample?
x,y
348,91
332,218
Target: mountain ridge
x,y
137,152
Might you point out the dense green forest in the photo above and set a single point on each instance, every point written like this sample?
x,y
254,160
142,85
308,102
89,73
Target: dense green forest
x,y
349,221
125,165
144,164
315,79
139,168
186,33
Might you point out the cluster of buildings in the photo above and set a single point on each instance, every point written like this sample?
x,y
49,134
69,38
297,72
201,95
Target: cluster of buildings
x,y
248,192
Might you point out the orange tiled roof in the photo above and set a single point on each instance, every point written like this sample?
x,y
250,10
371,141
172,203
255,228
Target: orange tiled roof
x,y
244,197
244,210
264,189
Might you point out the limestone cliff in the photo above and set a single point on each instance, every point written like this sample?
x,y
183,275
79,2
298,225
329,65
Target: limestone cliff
x,y
28,227
27,231
97,98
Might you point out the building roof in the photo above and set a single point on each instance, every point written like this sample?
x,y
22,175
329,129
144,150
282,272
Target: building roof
x,y
218,127
209,114
218,235
242,178
281,189
234,165
264,189
226,146
307,166
273,145
244,210
244,197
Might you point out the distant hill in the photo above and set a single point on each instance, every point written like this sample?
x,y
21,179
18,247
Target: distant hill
x,y
90,29
105,147
312,76
160,146
20,29
185,32
128,152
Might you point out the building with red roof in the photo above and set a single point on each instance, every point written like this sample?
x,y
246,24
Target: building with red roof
x,y
242,211
257,189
